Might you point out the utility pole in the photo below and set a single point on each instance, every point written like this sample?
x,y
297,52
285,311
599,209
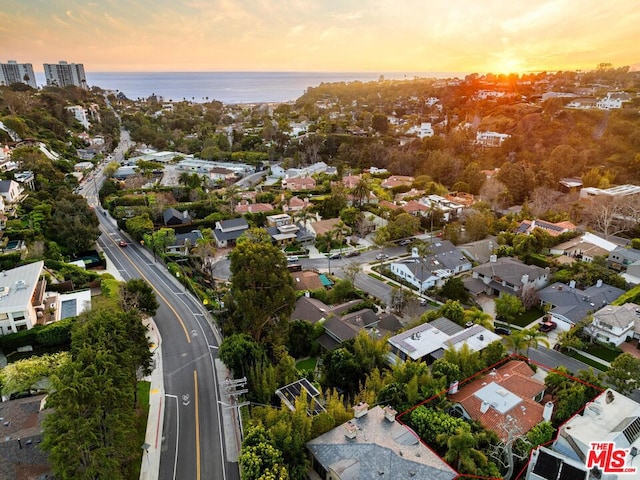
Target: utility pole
x,y
235,388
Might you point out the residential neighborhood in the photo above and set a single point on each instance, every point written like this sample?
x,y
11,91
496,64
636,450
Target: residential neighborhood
x,y
387,270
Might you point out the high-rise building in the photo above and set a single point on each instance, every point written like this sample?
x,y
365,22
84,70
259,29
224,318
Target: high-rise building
x,y
62,74
14,72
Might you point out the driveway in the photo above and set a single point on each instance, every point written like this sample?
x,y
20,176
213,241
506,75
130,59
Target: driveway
x,y
488,305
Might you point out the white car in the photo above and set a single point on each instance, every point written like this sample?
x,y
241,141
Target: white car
x,y
292,258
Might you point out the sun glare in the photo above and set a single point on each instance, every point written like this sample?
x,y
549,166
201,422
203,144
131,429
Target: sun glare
x,y
507,65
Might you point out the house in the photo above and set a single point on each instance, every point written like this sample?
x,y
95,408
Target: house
x,y
545,464
322,227
610,417
506,398
427,342
491,139
295,204
306,280
618,191
397,181
614,324
184,242
22,434
10,190
226,232
221,174
297,184
613,100
585,248
80,114
620,258
632,275
553,229
373,444
21,297
246,207
569,304
340,329
444,261
171,216
505,274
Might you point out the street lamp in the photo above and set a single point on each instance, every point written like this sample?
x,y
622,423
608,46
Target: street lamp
x,y
145,447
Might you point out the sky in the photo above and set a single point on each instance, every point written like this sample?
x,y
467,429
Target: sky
x,y
497,36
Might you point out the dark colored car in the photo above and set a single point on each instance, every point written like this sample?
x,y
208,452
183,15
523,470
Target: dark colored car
x,y
404,242
335,256
547,326
502,330
352,253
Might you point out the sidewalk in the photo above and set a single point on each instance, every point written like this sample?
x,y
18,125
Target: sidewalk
x,y
150,466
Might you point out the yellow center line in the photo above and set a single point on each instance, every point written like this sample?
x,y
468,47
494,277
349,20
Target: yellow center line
x,y
184,328
195,381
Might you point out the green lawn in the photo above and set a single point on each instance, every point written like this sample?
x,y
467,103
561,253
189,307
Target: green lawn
x,y
527,317
602,352
142,412
588,361
308,364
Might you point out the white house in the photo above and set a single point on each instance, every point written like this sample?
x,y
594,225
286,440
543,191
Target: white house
x,y
424,130
613,100
80,114
10,190
491,139
21,297
614,324
444,261
428,341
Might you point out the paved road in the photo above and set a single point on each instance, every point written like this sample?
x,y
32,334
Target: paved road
x,y
551,358
192,443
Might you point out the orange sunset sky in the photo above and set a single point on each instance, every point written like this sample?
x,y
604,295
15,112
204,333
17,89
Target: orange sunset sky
x,y
498,36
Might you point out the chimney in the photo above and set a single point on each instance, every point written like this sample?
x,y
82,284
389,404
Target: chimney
x,y
350,430
360,409
454,387
493,258
599,283
572,284
390,413
548,410
525,279
484,407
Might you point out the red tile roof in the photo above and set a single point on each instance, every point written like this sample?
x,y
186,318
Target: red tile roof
x,y
516,377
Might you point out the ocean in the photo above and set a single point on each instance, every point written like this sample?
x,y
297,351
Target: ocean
x,y
231,87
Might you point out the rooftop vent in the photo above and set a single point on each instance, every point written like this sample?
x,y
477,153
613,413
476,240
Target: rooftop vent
x,y
21,284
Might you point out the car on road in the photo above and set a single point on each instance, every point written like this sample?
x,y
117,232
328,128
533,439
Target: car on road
x,y
405,242
292,258
352,253
122,243
502,330
335,256
381,256
547,326
423,302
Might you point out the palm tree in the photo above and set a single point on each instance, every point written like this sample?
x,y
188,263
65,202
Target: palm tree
x,y
361,191
232,195
516,341
533,338
462,452
478,317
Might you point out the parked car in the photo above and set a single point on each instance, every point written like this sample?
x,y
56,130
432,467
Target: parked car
x,y
502,330
292,258
353,253
405,242
381,256
423,302
335,256
547,326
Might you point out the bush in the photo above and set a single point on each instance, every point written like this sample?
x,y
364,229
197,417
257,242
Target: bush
x,y
55,334
10,343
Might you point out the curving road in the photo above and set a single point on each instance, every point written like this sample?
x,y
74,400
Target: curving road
x,y
193,446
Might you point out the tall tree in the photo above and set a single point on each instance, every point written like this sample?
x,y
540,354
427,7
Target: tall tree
x,y
262,296
624,373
